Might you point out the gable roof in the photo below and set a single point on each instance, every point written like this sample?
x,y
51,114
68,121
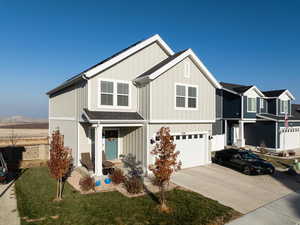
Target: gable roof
x,y
238,88
115,58
274,93
168,63
278,93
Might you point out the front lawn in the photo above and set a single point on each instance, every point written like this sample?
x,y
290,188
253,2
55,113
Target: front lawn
x,y
36,190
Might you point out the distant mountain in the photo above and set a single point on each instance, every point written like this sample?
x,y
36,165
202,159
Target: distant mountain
x,y
21,119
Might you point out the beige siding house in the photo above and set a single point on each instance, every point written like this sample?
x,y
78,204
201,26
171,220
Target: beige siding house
x,y
117,106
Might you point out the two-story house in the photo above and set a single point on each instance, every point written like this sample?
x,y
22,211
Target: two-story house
x,y
118,105
257,118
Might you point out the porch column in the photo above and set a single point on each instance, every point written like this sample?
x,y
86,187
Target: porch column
x,y
241,134
98,150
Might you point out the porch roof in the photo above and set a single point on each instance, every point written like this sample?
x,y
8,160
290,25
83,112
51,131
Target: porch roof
x,y
277,118
113,116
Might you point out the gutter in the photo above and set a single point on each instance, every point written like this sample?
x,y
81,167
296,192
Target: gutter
x,y
67,84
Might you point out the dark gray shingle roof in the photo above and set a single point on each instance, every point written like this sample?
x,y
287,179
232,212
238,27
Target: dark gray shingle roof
x,y
105,115
161,64
274,93
236,87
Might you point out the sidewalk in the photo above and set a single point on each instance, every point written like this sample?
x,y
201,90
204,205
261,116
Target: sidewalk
x,y
285,211
8,205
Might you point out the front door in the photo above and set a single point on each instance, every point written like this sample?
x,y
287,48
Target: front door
x,y
111,144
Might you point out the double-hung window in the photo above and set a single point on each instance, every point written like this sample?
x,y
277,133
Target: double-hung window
x,y
114,94
122,94
186,96
107,93
284,106
251,104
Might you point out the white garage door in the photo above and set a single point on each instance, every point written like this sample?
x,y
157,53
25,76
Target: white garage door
x,y
290,138
193,149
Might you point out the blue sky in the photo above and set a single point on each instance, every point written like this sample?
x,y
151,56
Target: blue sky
x,y
42,43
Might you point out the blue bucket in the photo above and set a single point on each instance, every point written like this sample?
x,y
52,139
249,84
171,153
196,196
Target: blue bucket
x,y
98,183
107,180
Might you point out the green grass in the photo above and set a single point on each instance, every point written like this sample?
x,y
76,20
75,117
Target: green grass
x,y
36,190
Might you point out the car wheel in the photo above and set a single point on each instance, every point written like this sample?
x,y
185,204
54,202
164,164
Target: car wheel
x,y
247,170
271,170
219,161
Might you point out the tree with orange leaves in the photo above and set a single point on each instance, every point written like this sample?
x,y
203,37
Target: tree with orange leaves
x,y
165,163
60,161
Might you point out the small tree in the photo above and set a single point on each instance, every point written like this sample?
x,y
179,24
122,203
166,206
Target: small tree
x,y
165,163
60,161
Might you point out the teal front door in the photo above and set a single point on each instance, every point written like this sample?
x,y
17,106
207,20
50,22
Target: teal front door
x,y
111,144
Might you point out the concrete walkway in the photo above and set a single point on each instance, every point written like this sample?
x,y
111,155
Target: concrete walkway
x,y
8,205
285,211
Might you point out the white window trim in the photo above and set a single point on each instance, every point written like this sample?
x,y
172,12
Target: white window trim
x,y
115,94
186,97
261,103
282,111
248,110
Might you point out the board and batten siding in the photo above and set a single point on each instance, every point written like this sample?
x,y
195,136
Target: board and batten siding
x,y
63,103
69,130
134,139
144,101
127,70
82,98
163,94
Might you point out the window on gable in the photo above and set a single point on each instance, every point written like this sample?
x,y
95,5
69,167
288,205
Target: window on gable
x,y
107,93
180,96
186,97
122,94
284,106
251,104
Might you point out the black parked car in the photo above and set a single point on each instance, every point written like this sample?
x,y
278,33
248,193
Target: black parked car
x,y
244,161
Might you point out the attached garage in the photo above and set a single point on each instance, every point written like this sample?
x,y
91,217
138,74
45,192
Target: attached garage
x,y
290,138
193,149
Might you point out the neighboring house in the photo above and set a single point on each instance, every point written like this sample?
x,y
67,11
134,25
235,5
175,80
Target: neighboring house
x,y
253,117
118,105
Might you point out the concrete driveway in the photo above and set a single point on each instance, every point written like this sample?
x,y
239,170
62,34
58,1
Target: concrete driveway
x,y
236,190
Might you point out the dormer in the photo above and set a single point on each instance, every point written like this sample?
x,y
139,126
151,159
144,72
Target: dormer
x,y
280,102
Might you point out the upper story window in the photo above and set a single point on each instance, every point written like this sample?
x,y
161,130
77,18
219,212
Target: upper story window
x,y
114,94
284,106
251,105
186,96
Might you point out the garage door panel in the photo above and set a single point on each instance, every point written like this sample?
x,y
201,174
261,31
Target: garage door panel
x,y
193,149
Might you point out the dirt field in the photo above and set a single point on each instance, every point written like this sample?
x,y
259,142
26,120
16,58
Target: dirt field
x,y
24,126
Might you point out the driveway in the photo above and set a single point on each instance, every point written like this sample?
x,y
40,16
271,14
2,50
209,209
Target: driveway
x,y
236,190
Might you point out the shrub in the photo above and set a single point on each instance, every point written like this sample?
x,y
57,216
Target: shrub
x,y
87,183
117,177
133,185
